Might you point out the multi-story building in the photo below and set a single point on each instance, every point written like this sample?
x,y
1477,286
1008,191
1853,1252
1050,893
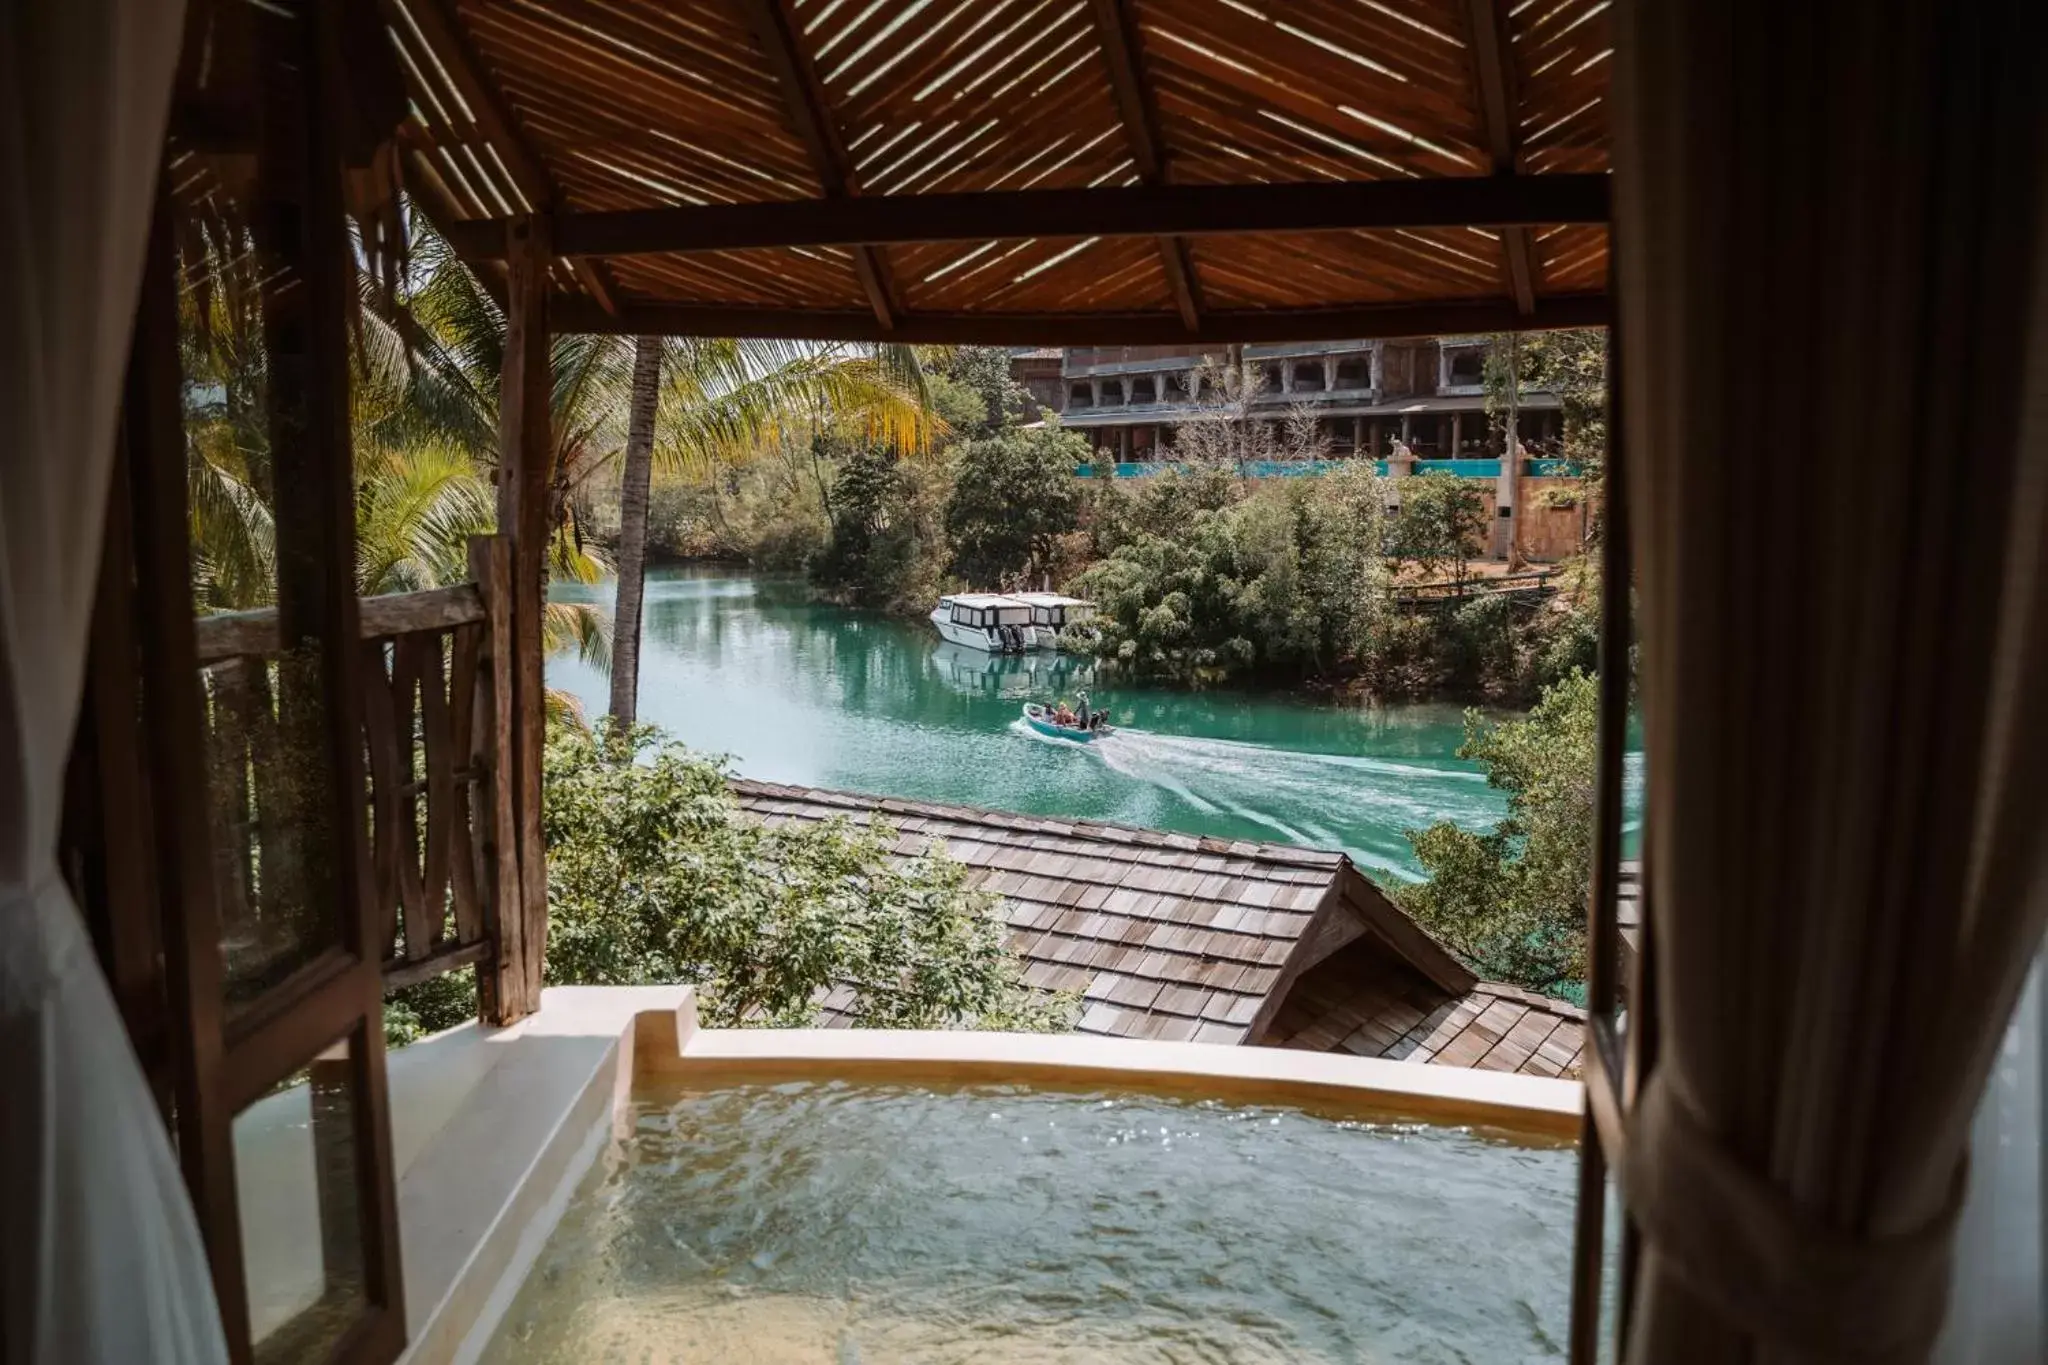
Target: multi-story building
x,y
1415,406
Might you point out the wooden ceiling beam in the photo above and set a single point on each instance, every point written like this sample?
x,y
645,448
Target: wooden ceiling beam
x,y
804,96
1493,82
1119,39
569,313
1133,211
439,31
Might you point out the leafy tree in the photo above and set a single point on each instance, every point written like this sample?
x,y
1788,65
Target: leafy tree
x,y
1014,494
983,371
886,548
1440,522
1513,902
1289,581
656,874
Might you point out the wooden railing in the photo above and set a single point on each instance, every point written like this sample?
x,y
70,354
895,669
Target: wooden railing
x,y
433,748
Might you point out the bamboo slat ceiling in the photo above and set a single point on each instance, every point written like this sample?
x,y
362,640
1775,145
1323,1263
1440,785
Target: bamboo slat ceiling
x,y
1026,170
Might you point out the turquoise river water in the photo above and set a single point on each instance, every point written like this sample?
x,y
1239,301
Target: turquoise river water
x,y
805,693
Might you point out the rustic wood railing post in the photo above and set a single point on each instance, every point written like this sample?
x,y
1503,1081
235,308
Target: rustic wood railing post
x,y
501,981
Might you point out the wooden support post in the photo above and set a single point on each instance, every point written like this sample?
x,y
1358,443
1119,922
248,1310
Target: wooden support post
x,y
1457,435
501,982
525,470
1373,435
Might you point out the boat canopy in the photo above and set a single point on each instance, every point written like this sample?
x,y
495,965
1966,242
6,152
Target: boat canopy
x,y
982,610
1056,609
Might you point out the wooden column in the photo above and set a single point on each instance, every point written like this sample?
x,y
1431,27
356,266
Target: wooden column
x,y
501,983
525,470
1373,436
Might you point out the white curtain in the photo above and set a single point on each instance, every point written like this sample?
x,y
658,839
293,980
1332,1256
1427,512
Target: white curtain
x,y
100,1257
1998,1297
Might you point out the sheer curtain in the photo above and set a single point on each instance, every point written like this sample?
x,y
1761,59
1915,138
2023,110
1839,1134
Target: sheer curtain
x,y
1998,1298
100,1257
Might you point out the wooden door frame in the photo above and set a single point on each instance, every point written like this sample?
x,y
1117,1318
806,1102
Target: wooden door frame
x,y
217,1063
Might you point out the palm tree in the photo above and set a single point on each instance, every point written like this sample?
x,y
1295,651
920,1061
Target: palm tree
x,y
722,401
635,478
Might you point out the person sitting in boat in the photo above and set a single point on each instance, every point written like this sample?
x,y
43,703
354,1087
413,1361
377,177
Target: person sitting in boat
x,y
1063,716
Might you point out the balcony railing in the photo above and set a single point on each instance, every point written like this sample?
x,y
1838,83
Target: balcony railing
x,y
434,743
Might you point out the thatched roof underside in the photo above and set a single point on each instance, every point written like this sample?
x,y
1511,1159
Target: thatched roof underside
x,y
1026,170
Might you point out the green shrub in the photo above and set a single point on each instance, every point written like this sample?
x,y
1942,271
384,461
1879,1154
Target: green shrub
x,y
1014,495
1288,582
655,874
1513,902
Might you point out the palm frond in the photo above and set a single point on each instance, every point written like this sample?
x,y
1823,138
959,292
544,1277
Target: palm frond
x,y
581,627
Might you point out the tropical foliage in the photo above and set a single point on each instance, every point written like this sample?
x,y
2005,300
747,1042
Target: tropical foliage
x,y
1439,526
1287,582
1512,902
1014,495
655,874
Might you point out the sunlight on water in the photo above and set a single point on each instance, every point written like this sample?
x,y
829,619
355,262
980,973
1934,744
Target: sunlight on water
x,y
804,693
826,1224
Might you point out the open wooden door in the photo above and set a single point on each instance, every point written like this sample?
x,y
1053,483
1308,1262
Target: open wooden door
x,y
221,818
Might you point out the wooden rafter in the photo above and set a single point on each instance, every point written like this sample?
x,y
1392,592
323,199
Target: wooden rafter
x,y
812,118
568,313
1133,211
493,123
1493,82
1119,38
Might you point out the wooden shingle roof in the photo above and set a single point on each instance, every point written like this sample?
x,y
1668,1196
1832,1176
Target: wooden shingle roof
x,y
1362,1001
1025,170
1181,938
1163,935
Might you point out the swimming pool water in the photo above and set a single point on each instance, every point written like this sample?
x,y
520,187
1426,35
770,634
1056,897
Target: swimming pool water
x,y
826,1223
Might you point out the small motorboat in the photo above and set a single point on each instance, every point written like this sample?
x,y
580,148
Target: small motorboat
x,y
1040,718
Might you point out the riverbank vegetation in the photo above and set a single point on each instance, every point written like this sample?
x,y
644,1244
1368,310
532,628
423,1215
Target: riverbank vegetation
x,y
1512,901
1343,583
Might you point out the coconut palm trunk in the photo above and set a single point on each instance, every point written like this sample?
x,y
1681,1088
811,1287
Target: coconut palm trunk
x,y
633,489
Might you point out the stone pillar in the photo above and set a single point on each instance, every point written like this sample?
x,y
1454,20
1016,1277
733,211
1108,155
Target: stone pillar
x,y
1378,374
1374,436
1329,373
1123,445
1095,393
1358,446
1457,450
1287,376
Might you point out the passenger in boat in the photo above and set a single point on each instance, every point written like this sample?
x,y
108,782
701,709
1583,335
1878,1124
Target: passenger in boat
x,y
1063,716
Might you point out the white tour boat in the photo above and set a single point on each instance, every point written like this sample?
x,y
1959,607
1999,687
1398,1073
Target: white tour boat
x,y
983,620
1052,612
